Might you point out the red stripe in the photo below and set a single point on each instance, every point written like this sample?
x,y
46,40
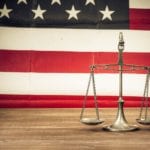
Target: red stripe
x,y
15,61
62,101
63,62
140,19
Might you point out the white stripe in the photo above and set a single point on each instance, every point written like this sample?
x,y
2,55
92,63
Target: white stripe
x,y
141,4
69,84
72,40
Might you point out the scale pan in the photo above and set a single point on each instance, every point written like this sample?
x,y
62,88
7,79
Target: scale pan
x,y
143,121
91,121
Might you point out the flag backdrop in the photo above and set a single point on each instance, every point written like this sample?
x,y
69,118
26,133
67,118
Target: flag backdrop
x,y
47,46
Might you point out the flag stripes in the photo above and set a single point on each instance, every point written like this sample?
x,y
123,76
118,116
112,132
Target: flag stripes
x,y
65,62
139,19
139,4
69,84
139,13
77,40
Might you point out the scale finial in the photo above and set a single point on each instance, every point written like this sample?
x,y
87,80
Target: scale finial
x,y
120,49
121,42
121,37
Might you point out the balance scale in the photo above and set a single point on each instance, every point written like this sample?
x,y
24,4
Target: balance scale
x,y
120,123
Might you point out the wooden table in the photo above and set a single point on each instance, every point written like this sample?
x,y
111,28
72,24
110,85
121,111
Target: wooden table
x,y
60,129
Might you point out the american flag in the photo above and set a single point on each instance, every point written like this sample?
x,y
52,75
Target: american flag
x,y
47,46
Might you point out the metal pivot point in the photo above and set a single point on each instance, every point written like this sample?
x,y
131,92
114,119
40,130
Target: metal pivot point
x,y
96,120
120,123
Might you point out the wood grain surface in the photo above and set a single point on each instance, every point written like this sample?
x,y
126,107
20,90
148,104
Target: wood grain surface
x,y
60,129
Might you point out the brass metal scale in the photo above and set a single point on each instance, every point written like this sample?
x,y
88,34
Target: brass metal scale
x,y
120,123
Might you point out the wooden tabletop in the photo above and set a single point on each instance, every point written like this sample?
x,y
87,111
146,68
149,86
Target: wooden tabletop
x,y
60,129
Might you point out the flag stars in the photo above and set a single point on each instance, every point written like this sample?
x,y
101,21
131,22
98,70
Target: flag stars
x,y
38,12
73,13
107,13
56,2
22,1
90,2
5,12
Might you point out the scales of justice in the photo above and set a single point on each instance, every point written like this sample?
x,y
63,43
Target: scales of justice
x,y
120,123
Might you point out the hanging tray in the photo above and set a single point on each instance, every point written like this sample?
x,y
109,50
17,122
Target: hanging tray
x,y
143,121
91,121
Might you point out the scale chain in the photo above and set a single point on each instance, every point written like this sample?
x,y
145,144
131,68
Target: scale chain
x,y
95,97
143,99
85,98
146,112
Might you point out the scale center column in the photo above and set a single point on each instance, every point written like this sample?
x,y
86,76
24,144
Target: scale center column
x,y
120,123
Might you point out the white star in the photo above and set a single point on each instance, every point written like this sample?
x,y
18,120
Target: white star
x,y
5,12
56,1
39,12
107,13
73,13
22,1
90,1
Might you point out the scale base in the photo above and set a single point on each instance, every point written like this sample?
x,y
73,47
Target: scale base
x,y
126,128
